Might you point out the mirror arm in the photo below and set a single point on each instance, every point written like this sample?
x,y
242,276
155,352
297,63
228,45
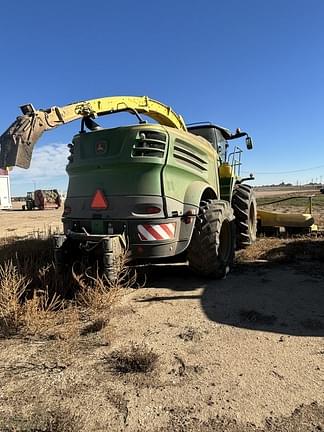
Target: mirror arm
x,y
246,179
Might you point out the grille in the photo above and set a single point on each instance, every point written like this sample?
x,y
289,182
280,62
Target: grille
x,y
149,144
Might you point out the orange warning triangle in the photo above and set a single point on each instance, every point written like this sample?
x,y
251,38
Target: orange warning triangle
x,y
99,201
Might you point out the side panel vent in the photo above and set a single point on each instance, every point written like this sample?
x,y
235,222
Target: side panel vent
x,y
149,144
188,156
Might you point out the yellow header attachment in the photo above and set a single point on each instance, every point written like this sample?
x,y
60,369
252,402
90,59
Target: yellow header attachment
x,y
18,141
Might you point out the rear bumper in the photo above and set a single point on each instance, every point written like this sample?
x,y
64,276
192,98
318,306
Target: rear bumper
x,y
158,238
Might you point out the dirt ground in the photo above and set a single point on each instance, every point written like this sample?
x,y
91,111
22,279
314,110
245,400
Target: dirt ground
x,y
17,222
243,354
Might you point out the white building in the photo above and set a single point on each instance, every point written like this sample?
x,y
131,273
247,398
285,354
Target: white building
x,y
5,196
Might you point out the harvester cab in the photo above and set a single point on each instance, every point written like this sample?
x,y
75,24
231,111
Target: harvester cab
x,y
155,189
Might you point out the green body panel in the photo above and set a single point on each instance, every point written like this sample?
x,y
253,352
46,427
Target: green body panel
x,y
191,168
174,174
112,169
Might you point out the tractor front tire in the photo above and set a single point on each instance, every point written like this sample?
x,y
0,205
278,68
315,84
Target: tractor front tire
x,y
212,247
245,211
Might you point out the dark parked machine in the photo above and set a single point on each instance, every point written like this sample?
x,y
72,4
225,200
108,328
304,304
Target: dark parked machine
x,y
42,199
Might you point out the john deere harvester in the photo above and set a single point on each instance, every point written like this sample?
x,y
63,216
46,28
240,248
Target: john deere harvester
x,y
161,191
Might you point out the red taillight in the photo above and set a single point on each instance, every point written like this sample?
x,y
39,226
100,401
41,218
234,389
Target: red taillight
x,y
152,210
99,201
146,209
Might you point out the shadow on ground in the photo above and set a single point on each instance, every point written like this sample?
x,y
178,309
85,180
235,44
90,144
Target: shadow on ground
x,y
282,295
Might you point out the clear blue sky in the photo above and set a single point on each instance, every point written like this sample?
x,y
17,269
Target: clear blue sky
x,y
254,64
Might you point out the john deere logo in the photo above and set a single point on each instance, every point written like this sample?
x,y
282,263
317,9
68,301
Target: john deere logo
x,y
101,147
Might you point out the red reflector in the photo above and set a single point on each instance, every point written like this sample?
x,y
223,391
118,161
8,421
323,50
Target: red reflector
x,y
99,201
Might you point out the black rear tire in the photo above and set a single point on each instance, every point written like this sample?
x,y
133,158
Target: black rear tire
x,y
245,211
212,247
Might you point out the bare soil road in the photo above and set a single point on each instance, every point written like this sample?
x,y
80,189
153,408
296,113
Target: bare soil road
x,y
237,355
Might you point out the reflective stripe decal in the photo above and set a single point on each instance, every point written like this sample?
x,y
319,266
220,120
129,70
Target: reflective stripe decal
x,y
149,232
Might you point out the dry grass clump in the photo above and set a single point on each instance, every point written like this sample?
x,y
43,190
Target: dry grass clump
x,y
133,359
96,293
26,308
28,255
20,314
33,296
32,259
37,314
278,250
12,289
41,312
